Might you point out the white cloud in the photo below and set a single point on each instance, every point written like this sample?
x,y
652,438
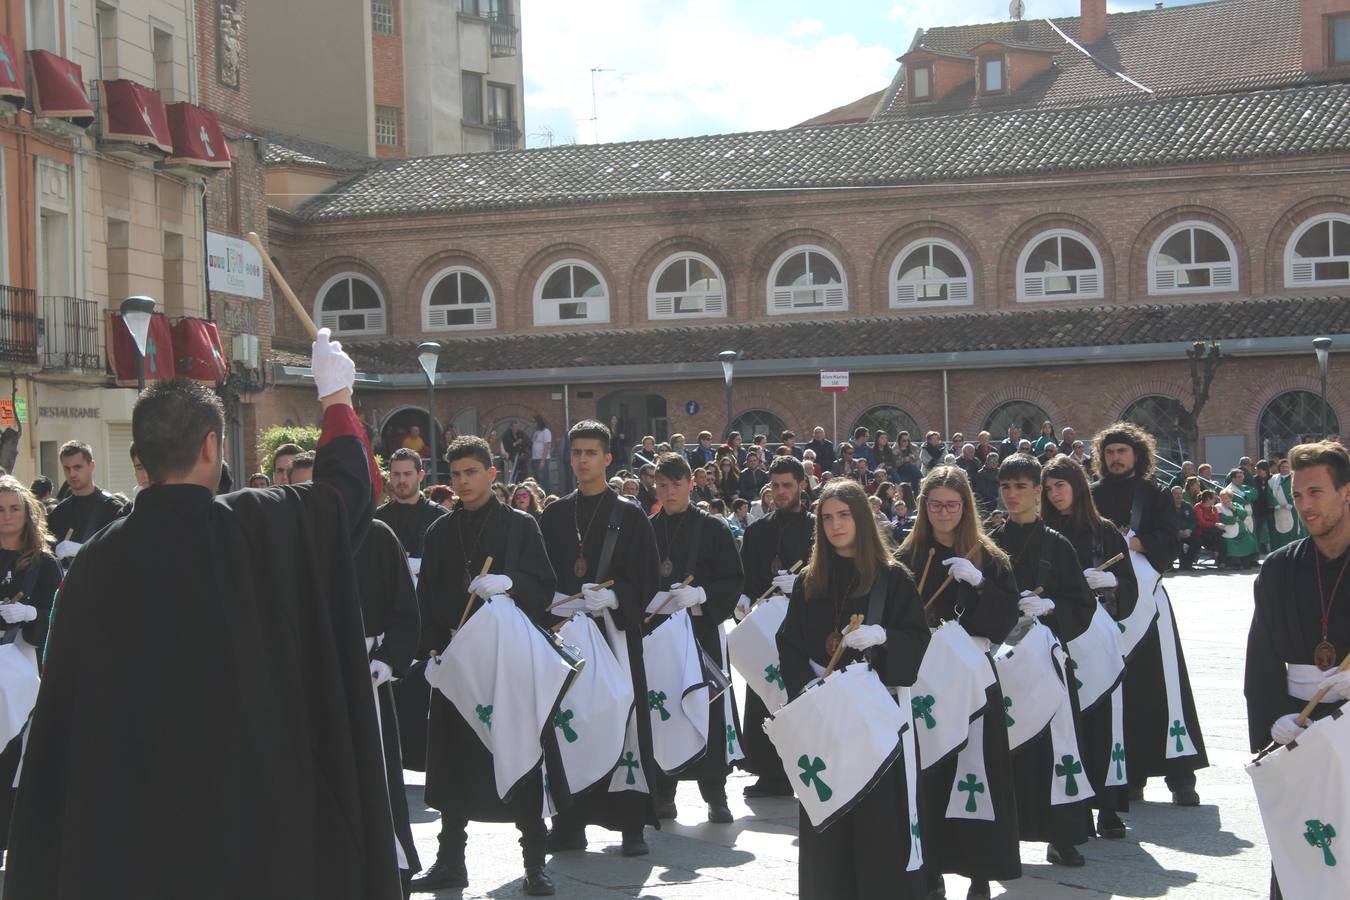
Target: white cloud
x,y
806,27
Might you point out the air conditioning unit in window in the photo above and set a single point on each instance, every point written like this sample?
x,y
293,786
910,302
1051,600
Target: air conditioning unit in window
x,y
244,350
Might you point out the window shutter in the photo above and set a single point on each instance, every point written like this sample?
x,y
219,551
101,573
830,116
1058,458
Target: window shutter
x,y
483,315
328,320
906,292
665,307
834,297
1089,283
1033,286
958,290
436,317
782,299
713,304
1164,280
1221,276
375,321
1301,271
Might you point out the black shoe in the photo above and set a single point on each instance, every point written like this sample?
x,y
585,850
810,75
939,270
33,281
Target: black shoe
x,y
1109,825
720,814
561,840
979,890
1137,793
1185,797
768,787
665,809
443,874
537,882
1064,856
634,845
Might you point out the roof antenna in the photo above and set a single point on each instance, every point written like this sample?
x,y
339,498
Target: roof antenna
x,y
595,113
1017,9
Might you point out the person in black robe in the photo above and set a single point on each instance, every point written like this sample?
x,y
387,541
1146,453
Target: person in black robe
x,y
864,854
86,509
460,774
772,545
1070,511
692,544
206,725
576,530
1044,560
964,576
1128,496
410,514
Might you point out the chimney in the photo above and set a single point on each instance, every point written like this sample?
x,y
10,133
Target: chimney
x,y
1092,22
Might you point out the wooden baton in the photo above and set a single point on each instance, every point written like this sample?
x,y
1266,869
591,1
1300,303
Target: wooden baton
x,y
662,609
765,596
577,595
469,601
296,306
854,623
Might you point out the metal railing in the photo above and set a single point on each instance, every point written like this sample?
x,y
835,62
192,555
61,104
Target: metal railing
x,y
505,134
18,325
69,334
503,35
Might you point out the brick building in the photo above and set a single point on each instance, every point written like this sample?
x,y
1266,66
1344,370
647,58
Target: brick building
x,y
1036,222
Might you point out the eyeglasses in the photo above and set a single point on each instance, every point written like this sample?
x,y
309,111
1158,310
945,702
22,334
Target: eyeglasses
x,y
951,506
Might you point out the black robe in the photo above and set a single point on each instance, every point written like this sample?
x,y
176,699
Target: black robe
x,y
864,853
1095,546
389,610
634,570
972,847
460,779
1286,626
1043,558
718,571
83,517
206,724
1146,722
786,538
412,695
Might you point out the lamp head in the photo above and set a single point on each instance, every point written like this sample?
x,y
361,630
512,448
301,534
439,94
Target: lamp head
x,y
728,359
1322,346
136,314
428,354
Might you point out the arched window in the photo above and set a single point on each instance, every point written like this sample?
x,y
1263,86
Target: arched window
x,y
458,298
756,422
1319,253
1293,418
890,419
570,292
807,279
1022,413
350,304
1059,265
930,273
1164,418
1192,257
687,286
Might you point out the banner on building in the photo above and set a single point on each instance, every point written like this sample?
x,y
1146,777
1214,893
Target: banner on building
x,y
233,266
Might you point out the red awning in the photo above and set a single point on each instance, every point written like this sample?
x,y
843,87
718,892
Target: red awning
x,y
11,76
197,351
58,88
197,138
133,113
159,352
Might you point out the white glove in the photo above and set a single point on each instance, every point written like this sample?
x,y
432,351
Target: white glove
x,y
1099,580
490,585
333,369
599,598
380,672
1286,729
684,596
963,569
1337,683
1031,605
865,636
67,549
14,613
742,608
784,581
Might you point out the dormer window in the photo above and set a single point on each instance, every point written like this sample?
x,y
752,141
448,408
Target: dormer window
x,y
921,83
991,73
1339,32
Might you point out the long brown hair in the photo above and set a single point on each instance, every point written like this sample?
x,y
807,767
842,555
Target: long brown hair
x,y
971,541
34,539
1084,510
869,552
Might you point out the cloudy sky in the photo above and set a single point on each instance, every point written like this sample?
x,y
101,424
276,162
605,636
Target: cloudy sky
x,y
676,68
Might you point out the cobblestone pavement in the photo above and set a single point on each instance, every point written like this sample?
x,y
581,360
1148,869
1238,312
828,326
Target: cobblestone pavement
x,y
1215,851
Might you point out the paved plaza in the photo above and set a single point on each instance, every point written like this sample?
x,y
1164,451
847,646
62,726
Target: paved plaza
x,y
1215,851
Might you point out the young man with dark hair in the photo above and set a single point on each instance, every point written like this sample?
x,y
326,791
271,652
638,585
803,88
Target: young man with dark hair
x,y
753,477
698,548
460,780
156,610
281,462
861,448
772,545
788,439
702,453
593,536
88,508
646,496
142,479
1044,561
302,468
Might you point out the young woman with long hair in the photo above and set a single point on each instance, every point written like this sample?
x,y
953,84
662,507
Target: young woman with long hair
x,y
864,854
728,478
948,539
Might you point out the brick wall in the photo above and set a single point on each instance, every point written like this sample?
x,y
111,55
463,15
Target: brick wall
x,y
387,52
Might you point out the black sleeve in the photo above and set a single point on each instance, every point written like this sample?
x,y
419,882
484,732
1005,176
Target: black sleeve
x,y
1075,603
1264,681
758,578
897,661
1127,583
1160,539
433,586
402,622
992,612
42,599
723,588
635,568
794,659
532,581
343,464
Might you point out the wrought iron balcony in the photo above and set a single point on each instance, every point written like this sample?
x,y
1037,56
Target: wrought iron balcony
x,y
505,134
18,325
504,35
69,333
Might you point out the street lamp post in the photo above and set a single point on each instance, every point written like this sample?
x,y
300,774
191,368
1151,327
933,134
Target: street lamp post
x,y
136,315
728,359
428,354
1322,347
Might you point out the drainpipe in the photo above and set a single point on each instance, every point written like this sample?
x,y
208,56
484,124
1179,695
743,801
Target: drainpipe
x,y
946,407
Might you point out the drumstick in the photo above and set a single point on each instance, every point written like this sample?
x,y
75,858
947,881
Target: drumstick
x,y
942,587
1302,719
1110,562
469,601
926,566
854,622
661,609
69,534
577,595
765,596
296,306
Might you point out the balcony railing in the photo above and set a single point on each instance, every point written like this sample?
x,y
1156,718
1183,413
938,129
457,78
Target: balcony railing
x,y
18,325
505,134
503,35
69,335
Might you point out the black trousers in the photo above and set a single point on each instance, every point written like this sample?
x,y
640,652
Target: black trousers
x,y
454,835
713,788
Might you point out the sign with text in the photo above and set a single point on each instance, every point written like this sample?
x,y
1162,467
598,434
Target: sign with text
x,y
233,266
833,381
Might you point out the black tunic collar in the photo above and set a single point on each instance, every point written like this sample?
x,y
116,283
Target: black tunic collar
x,y
162,498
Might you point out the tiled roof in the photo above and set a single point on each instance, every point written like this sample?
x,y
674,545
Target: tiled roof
x,y
1136,134
859,110
1192,49
290,150
1023,329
